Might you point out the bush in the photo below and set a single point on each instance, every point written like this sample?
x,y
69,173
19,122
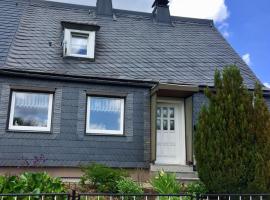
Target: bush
x,y
128,186
31,183
232,140
194,188
103,178
165,183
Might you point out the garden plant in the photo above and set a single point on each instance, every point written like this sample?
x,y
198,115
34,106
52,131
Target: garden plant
x,y
31,183
232,139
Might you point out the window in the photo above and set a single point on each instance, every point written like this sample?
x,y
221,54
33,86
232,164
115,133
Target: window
x,y
30,111
79,43
105,115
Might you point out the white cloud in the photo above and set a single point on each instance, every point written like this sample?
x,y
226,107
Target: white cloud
x,y
206,9
246,58
138,5
267,85
224,29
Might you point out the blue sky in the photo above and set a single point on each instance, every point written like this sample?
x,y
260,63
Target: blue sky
x,y
249,33
244,23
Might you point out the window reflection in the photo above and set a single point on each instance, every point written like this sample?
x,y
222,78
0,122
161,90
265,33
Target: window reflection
x,y
165,112
172,125
165,124
79,44
105,114
30,110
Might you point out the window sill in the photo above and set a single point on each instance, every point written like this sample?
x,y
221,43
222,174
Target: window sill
x,y
28,131
105,134
73,57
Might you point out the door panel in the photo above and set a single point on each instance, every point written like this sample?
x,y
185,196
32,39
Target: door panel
x,y
170,133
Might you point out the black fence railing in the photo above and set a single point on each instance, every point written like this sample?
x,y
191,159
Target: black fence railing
x,y
40,196
102,196
107,196
234,197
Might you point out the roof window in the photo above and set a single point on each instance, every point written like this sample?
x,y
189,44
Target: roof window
x,y
79,40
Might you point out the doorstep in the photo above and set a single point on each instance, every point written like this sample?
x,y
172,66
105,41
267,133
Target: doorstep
x,y
184,173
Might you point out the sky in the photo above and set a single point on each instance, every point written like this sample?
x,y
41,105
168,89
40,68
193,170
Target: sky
x,y
244,23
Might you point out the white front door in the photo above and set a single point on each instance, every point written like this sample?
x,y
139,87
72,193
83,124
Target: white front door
x,y
171,133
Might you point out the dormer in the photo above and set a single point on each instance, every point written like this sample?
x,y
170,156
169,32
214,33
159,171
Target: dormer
x,y
79,39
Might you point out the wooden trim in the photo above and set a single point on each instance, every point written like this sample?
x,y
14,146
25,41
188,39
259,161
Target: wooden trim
x,y
153,127
175,87
189,129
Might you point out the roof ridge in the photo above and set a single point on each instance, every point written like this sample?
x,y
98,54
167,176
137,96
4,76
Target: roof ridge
x,y
121,11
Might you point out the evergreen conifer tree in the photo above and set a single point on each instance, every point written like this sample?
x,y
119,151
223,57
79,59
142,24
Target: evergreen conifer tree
x,y
232,140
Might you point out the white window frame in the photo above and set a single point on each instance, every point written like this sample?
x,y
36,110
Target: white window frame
x,y
90,44
30,128
105,132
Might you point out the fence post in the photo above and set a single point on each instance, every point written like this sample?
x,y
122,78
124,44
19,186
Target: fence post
x,y
73,195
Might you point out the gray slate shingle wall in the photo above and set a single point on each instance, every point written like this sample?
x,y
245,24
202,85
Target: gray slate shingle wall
x,y
199,99
268,102
68,145
131,47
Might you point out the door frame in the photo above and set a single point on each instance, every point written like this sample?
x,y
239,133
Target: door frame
x,y
182,131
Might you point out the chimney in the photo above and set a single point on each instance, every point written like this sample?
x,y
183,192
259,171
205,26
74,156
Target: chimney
x,y
161,11
104,7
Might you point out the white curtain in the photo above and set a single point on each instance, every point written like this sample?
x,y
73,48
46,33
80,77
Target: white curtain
x,y
105,104
30,100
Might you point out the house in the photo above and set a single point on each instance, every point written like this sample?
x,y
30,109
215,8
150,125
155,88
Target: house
x,y
82,84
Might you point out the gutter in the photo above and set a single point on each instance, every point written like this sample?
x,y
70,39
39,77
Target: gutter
x,y
74,78
154,85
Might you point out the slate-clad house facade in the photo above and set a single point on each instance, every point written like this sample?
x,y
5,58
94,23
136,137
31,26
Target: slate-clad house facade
x,y
82,84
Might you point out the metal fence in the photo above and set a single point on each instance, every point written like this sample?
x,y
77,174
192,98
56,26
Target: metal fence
x,y
105,196
102,196
233,197
40,196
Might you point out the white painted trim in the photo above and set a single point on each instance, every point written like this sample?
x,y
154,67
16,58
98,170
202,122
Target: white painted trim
x,y
106,132
30,128
90,45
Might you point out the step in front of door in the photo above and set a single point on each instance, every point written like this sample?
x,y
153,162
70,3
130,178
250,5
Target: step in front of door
x,y
171,168
184,173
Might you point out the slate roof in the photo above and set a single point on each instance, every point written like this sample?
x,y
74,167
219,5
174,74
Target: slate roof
x,y
10,14
130,46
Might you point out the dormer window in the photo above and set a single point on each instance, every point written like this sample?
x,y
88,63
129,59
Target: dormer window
x,y
79,43
79,40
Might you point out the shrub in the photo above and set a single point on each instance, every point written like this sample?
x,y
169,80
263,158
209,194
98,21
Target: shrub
x,y
40,183
8,184
194,188
128,186
232,140
31,183
103,178
165,183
